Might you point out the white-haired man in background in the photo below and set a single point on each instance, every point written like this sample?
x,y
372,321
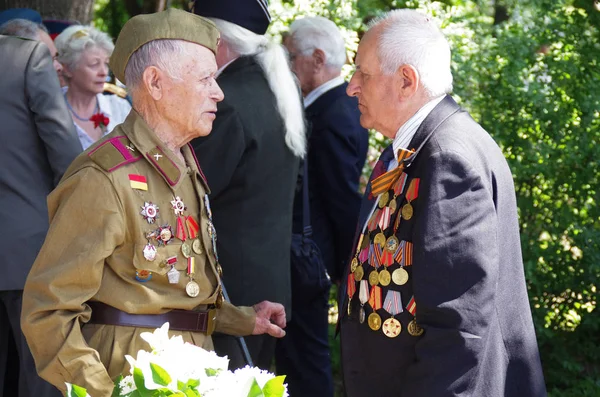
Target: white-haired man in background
x,y
251,163
337,149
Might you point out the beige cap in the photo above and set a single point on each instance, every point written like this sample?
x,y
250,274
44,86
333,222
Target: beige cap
x,y
171,24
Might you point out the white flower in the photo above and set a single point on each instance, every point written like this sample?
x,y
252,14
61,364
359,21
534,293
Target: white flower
x,y
127,385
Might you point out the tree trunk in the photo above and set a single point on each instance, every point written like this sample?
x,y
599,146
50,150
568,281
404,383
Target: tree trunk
x,y
80,10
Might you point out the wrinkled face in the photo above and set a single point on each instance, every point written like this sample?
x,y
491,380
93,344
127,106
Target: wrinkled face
x,y
89,73
378,94
189,102
303,67
44,38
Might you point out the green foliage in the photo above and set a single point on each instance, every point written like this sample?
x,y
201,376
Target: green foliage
x,y
159,375
77,391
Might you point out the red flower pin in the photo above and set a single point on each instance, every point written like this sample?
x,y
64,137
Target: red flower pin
x,y
100,120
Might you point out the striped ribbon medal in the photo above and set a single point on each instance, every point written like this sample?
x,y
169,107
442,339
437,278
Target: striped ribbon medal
x,y
393,305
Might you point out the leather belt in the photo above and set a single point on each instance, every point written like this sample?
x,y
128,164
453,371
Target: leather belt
x,y
181,320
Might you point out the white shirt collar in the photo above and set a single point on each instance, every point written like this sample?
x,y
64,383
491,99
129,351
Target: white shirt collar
x,y
320,90
407,131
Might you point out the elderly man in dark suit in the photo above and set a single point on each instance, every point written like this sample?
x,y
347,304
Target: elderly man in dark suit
x,y
337,149
435,301
39,143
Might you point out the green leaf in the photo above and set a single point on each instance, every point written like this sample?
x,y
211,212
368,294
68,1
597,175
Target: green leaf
x,y
255,390
138,379
274,387
159,375
117,389
77,391
193,383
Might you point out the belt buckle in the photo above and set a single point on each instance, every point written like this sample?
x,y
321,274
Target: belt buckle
x,y
212,321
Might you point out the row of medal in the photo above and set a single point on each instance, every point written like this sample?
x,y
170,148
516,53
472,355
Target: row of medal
x,y
188,232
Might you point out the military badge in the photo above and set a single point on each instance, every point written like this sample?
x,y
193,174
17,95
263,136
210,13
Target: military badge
x,y
150,252
149,212
178,206
165,235
143,275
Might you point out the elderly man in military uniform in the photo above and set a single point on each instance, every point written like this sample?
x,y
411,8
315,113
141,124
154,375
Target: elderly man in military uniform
x,y
131,242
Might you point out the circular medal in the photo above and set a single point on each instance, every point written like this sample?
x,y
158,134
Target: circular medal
x,y
393,205
186,250
143,275
374,277
150,252
383,199
414,329
379,239
165,234
407,211
400,276
385,277
353,264
359,273
149,212
391,244
192,289
361,315
374,321
197,246
392,327
178,206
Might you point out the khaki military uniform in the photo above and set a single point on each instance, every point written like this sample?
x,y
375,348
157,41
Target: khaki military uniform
x,y
95,249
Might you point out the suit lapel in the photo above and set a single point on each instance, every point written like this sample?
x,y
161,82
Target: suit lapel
x,y
325,100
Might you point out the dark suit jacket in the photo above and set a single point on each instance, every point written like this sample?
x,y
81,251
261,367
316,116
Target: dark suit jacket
x,y
38,144
337,151
467,279
252,175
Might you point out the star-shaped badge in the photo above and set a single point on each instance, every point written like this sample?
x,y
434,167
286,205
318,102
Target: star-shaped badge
x,y
178,206
149,212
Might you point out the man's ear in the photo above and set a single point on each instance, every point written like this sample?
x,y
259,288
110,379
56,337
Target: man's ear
x,y
409,80
154,80
319,58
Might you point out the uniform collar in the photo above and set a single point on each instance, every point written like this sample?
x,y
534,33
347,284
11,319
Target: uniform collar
x,y
157,154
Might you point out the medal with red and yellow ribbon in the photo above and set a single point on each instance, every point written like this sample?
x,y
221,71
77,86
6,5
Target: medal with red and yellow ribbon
x,y
375,302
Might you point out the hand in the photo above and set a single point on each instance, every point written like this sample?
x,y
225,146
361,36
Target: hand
x,y
270,319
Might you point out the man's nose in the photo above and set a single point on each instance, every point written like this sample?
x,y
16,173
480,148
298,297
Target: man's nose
x,y
353,87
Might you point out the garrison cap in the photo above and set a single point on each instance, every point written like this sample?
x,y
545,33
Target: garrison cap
x,y
250,14
172,24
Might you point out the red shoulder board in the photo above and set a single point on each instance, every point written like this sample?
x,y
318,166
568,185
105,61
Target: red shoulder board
x,y
114,153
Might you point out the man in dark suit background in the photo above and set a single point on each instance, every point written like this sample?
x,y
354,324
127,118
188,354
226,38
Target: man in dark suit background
x,y
435,302
337,150
251,162
39,143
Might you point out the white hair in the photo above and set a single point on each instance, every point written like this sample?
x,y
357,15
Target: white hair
x,y
411,38
312,33
22,28
76,39
165,54
273,60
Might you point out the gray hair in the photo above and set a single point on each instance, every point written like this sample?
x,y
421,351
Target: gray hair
x,y
22,28
74,40
312,33
411,38
273,59
163,53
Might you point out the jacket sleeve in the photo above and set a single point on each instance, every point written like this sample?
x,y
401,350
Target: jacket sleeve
x,y
455,272
86,224
236,320
54,124
337,171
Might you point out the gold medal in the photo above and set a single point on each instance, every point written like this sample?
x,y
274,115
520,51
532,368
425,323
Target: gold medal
x,y
219,270
361,315
384,277
197,246
349,307
374,321
391,244
220,299
353,264
407,211
379,239
192,289
400,276
393,205
392,327
374,277
414,329
383,199
186,250
359,273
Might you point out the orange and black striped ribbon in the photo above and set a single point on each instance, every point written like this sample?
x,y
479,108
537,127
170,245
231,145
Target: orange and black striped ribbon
x,y
384,182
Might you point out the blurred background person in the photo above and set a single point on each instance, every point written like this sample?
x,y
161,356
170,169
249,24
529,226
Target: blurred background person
x,y
39,143
84,53
337,150
251,163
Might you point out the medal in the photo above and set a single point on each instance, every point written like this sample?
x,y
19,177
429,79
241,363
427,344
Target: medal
x,y
197,246
143,275
414,329
173,276
207,206
361,315
149,212
374,321
150,252
192,289
178,206
379,239
165,235
393,205
400,276
407,211
383,199
220,298
186,250
359,273
353,264
374,278
391,327
393,305
391,244
411,194
350,290
363,297
384,277
219,270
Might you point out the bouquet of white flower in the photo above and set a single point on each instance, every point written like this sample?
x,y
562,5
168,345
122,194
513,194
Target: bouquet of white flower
x,y
176,368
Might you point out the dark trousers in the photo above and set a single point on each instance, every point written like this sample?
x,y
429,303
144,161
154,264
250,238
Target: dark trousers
x,y
303,353
29,383
261,348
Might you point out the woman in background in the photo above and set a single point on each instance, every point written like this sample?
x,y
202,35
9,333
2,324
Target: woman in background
x,y
84,52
